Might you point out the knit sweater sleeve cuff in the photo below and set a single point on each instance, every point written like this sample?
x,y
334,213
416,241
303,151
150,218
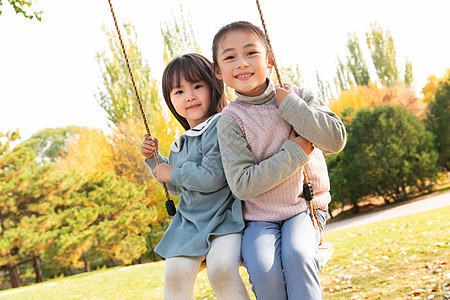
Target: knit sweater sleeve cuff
x,y
291,104
299,156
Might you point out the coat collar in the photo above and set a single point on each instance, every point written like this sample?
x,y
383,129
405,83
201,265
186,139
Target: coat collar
x,y
200,128
196,131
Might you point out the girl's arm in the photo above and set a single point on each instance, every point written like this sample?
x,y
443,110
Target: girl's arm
x,y
208,176
247,178
151,162
312,119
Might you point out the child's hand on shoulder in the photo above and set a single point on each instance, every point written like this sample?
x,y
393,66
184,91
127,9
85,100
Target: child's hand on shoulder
x,y
306,145
281,93
149,146
162,172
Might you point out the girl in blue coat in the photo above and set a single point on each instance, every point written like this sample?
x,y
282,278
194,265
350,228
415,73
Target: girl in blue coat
x,y
208,222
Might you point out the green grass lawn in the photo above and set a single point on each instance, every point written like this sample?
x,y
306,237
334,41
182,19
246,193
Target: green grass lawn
x,y
402,258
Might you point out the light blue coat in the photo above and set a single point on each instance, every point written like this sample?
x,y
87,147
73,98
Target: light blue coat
x,y
207,207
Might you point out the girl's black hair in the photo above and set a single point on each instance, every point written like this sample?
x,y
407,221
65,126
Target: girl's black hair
x,y
194,68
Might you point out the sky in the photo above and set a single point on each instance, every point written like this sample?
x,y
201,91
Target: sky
x,y
49,74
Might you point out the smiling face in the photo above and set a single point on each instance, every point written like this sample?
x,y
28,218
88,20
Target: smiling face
x,y
191,100
242,62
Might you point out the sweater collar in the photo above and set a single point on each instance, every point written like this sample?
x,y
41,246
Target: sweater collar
x,y
268,94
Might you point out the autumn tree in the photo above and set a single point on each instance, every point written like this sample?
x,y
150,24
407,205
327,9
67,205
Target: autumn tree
x,y
129,132
73,215
22,187
88,151
358,97
383,53
129,163
389,153
408,78
342,80
24,7
91,216
117,95
353,70
430,88
179,36
324,88
50,143
433,82
290,74
438,121
6,139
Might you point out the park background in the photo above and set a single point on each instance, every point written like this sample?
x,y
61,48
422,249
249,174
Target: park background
x,y
74,193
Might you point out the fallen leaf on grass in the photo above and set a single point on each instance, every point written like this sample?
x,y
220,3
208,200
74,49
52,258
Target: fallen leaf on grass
x,y
417,292
435,288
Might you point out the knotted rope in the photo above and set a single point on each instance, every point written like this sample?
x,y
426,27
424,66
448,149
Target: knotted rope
x,y
307,188
170,206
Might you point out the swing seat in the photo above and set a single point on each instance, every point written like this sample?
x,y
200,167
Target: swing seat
x,y
326,250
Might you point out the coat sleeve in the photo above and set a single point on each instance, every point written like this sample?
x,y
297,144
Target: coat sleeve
x,y
247,178
207,176
312,119
173,189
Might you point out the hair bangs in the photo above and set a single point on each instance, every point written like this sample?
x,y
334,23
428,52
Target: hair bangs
x,y
187,69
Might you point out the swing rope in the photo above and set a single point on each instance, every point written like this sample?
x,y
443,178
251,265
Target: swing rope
x,y
170,206
307,188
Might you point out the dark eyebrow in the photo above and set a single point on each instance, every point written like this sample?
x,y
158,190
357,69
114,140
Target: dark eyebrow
x,y
231,49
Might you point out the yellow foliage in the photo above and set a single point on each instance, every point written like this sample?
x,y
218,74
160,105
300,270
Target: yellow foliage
x,y
88,151
128,161
429,90
116,250
74,258
374,94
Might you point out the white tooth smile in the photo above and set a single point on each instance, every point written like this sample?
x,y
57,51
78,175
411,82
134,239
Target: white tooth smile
x,y
244,76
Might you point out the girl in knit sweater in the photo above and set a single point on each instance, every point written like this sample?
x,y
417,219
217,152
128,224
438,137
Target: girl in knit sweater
x,y
208,222
267,137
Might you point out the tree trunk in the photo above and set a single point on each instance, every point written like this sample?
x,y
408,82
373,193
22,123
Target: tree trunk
x,y
14,275
87,267
355,208
37,269
65,271
109,263
151,244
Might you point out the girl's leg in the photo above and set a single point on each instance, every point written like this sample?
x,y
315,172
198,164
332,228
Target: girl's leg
x,y
261,253
180,275
222,262
299,252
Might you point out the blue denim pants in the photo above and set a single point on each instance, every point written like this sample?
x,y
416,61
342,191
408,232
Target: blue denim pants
x,y
282,257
